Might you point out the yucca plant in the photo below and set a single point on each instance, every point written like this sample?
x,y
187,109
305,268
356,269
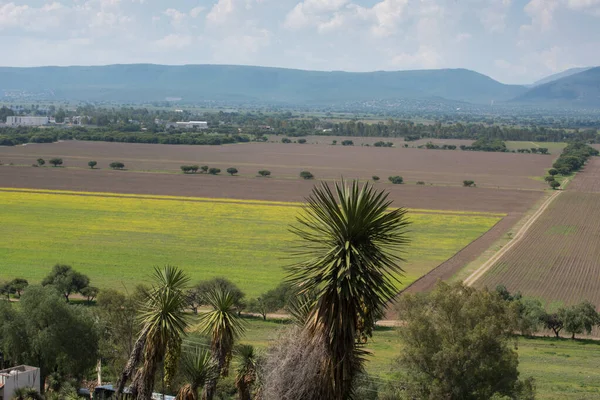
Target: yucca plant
x,y
246,371
350,250
198,367
162,316
27,393
223,326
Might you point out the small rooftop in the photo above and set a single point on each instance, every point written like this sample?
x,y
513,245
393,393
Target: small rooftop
x,y
19,368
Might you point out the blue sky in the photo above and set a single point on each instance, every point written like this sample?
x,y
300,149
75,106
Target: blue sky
x,y
514,41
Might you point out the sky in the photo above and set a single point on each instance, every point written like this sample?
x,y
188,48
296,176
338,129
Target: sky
x,y
513,41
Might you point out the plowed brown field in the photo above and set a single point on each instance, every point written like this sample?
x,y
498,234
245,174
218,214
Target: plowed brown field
x,y
438,167
558,259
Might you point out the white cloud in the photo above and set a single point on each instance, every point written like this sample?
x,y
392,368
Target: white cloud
x,y
493,16
424,57
463,37
541,13
220,11
176,16
174,41
194,12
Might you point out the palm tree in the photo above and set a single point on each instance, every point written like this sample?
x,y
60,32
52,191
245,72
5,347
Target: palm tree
x,y
246,372
224,327
198,367
163,323
351,246
27,393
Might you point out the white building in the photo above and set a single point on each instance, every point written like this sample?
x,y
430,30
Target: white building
x,y
192,125
16,120
15,378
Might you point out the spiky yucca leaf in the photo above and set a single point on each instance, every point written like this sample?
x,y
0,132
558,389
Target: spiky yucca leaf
x,y
198,367
350,248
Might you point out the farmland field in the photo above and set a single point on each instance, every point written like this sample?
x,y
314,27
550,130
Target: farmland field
x,y
285,161
116,240
557,259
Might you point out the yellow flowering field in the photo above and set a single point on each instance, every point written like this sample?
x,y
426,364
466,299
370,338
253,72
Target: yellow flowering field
x,y
117,239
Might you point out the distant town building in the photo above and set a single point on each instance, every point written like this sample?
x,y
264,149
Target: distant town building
x,y
17,120
192,125
19,377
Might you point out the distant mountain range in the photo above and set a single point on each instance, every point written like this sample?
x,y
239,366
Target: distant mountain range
x,y
577,90
555,77
143,83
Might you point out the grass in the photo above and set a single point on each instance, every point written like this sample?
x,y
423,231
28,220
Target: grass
x,y
563,369
117,239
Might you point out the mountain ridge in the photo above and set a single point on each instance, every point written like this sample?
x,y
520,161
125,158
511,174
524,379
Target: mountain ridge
x,y
199,82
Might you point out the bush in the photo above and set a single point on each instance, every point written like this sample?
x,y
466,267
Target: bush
x,y
396,180
285,140
375,178
468,183
214,171
41,161
347,143
232,171
204,168
306,175
301,141
116,165
554,184
56,162
549,178
564,171
92,164
553,171
334,142
420,183
264,172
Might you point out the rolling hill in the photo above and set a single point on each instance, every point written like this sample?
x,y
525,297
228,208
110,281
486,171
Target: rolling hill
x,y
148,82
563,74
579,90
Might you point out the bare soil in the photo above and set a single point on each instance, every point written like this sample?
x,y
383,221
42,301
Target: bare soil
x,y
257,188
437,167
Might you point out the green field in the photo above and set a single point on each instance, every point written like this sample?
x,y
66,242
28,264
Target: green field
x,y
117,239
563,369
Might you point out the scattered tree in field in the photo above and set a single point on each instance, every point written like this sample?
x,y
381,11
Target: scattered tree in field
x,y
549,178
349,241
396,180
92,164
197,293
468,183
271,301
347,143
6,290
56,162
246,373
456,346
334,142
214,171
232,171
420,183
41,162
189,169
164,324
223,325
194,168
264,172
306,175
301,141
375,178
554,322
579,318
66,280
46,332
553,171
554,184
204,169
117,165
286,140
90,293
18,285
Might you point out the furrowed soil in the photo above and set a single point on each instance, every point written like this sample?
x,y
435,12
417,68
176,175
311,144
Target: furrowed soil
x,y
437,167
557,259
